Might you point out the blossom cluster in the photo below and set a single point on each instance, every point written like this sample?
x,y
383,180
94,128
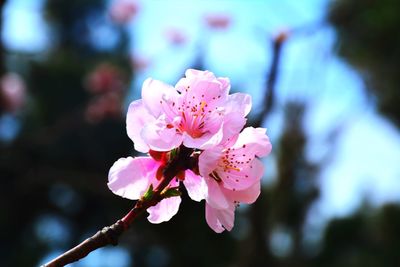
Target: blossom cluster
x,y
200,114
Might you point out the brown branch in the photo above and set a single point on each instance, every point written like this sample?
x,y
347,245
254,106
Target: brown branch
x,y
110,235
272,75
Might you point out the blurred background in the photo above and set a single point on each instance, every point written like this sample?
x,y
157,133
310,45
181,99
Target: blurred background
x,y
324,77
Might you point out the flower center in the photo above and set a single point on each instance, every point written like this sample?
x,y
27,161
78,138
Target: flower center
x,y
194,123
229,162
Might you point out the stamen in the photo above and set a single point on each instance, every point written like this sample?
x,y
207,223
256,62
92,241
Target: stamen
x,y
231,168
201,109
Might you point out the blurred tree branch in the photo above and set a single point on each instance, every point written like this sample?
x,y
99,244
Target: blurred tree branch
x,y
257,253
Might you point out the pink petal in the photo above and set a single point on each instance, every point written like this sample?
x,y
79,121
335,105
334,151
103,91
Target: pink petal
x,y
130,177
248,195
219,220
137,117
193,76
200,86
164,210
215,197
243,179
206,141
155,94
225,82
208,160
240,103
213,134
212,219
257,169
253,142
213,91
195,185
159,137
214,120
192,73
233,123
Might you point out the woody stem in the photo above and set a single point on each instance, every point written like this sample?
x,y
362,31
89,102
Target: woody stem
x,y
110,235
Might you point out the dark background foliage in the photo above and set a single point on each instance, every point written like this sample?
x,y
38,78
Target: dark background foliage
x,y
53,174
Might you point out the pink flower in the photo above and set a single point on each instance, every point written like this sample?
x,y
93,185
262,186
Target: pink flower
x,y
131,177
232,173
197,113
122,11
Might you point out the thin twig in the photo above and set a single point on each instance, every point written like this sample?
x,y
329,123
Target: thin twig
x,y
110,235
272,75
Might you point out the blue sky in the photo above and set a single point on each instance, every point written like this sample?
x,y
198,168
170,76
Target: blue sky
x,y
364,159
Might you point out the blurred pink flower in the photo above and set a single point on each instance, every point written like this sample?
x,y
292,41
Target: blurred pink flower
x,y
233,173
108,105
13,92
176,36
122,11
197,113
219,21
104,78
139,62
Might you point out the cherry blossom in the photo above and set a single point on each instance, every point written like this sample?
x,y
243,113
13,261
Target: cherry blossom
x,y
131,177
199,116
232,173
198,113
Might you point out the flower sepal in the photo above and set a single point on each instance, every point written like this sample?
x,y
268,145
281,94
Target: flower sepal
x,y
148,195
171,192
